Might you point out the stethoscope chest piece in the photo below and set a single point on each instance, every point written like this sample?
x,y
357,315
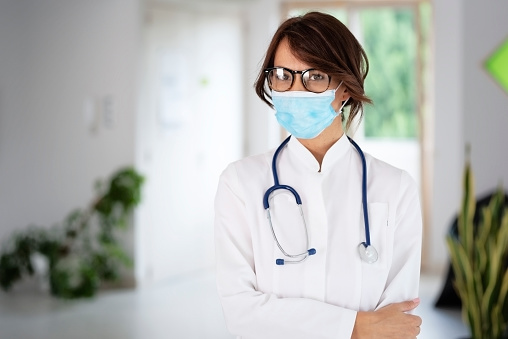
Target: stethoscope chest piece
x,y
368,253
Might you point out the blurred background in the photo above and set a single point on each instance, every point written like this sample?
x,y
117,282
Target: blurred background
x,y
166,86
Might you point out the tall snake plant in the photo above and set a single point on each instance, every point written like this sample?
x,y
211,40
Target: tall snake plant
x,y
478,256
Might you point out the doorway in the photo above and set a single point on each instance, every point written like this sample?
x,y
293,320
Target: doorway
x,y
189,129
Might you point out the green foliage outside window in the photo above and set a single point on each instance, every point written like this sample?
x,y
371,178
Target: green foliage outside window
x,y
389,39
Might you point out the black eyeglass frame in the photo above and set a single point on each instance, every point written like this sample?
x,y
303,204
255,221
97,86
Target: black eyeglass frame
x,y
268,70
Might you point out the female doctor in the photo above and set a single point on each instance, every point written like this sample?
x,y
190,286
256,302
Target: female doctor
x,y
316,239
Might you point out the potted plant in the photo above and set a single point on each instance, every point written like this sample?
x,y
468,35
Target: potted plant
x,y
83,251
478,256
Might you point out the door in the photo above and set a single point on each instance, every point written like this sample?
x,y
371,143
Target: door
x,y
189,129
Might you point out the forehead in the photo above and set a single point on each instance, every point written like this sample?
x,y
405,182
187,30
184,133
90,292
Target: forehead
x,y
284,57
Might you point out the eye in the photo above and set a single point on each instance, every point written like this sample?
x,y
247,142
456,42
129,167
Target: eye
x,y
315,75
281,74
282,77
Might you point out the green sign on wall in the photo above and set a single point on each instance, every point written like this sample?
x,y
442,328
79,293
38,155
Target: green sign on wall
x,y
497,65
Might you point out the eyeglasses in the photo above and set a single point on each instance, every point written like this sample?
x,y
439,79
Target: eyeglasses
x,y
281,79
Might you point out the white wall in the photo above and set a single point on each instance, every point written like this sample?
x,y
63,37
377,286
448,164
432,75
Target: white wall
x,y
448,117
13,70
261,129
485,102
57,60
469,108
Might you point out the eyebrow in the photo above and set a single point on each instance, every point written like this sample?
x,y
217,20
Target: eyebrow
x,y
296,71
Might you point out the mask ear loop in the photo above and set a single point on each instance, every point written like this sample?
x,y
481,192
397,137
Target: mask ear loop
x,y
344,103
341,107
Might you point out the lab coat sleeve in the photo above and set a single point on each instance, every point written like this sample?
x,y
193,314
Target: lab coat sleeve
x,y
404,274
249,313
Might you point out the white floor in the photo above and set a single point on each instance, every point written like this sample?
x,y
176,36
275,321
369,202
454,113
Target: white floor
x,y
438,323
180,309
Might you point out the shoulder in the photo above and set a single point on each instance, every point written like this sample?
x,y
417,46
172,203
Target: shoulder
x,y
379,167
251,163
248,168
385,176
245,179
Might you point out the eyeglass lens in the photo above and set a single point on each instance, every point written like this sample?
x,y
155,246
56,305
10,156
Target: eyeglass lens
x,y
281,80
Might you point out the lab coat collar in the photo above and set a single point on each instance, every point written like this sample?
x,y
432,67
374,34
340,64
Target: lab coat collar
x,y
334,154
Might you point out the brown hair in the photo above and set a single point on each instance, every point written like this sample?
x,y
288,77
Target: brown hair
x,y
325,43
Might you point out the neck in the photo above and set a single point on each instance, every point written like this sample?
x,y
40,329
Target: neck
x,y
322,143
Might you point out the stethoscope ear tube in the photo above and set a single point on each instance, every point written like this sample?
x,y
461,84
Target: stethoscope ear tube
x,y
303,255
281,262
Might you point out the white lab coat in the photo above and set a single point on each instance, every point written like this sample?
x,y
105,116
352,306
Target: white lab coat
x,y
320,297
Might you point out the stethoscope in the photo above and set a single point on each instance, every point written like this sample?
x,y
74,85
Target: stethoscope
x,y
367,252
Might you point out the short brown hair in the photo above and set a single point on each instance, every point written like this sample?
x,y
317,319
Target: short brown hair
x,y
325,43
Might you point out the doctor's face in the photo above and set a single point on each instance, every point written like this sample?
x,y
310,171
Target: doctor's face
x,y
284,57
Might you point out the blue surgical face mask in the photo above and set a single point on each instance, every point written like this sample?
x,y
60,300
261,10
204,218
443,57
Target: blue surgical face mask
x,y
305,114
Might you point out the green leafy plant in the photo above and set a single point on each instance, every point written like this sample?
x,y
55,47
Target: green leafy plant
x,y
478,256
83,251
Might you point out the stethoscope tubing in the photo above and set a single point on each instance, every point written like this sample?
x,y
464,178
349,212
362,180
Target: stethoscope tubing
x,y
278,186
364,192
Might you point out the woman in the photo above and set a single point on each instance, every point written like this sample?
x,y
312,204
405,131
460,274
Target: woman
x,y
321,273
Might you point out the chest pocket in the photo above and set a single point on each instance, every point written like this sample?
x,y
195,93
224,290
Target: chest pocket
x,y
374,275
379,232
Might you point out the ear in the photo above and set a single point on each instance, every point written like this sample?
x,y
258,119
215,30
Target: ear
x,y
340,97
344,95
